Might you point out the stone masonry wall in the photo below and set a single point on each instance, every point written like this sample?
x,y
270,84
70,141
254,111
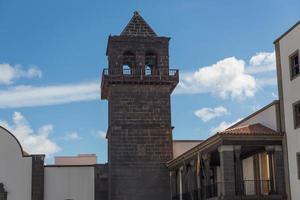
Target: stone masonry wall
x,y
140,142
101,182
139,46
37,187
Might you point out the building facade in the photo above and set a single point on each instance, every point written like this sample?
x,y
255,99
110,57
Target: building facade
x,y
243,162
26,177
17,171
256,158
138,84
288,74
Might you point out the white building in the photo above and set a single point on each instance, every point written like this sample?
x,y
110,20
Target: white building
x,y
25,177
244,161
288,73
16,171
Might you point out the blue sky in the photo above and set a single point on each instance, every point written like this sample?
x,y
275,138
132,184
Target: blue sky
x,y
52,54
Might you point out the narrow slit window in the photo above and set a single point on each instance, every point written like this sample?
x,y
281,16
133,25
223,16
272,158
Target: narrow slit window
x,y
298,164
297,114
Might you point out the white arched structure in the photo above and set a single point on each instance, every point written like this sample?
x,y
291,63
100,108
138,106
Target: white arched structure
x,y
15,167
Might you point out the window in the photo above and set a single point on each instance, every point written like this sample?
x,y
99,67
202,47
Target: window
x,y
294,64
296,108
298,164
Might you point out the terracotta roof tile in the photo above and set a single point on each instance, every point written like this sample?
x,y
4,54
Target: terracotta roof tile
x,y
253,129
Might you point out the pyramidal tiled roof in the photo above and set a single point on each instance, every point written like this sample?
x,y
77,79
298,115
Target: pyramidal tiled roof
x,y
137,26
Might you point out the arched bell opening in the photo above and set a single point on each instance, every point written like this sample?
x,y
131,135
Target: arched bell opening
x,y
128,63
150,63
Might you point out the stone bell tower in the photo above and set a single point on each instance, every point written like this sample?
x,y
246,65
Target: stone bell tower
x,y
138,84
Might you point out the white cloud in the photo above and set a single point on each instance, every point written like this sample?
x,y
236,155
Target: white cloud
x,y
27,96
231,77
99,134
274,95
207,114
266,81
226,78
262,62
33,142
72,136
222,126
11,73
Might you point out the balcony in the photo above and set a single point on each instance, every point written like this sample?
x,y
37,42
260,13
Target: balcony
x,y
251,189
142,76
257,187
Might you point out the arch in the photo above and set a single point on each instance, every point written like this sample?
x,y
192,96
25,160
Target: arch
x,y
17,172
150,62
23,153
128,62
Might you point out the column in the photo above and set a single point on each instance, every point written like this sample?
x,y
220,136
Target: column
x,y
206,162
173,184
279,169
270,150
227,171
180,183
199,173
37,177
238,170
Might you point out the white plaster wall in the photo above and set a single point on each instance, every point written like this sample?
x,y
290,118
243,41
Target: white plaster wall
x,y
15,170
179,147
291,93
76,183
266,118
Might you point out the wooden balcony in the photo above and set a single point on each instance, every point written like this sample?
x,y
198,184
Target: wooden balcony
x,y
145,77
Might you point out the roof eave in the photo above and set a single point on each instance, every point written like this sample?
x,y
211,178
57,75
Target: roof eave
x,y
219,138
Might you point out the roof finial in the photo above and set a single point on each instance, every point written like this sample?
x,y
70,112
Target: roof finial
x,y
135,13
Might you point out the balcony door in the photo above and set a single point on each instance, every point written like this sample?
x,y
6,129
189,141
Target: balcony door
x,y
256,175
264,174
248,176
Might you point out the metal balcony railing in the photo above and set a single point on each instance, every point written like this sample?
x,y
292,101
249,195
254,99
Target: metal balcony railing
x,y
213,190
209,191
142,76
142,73
252,188
193,195
257,187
